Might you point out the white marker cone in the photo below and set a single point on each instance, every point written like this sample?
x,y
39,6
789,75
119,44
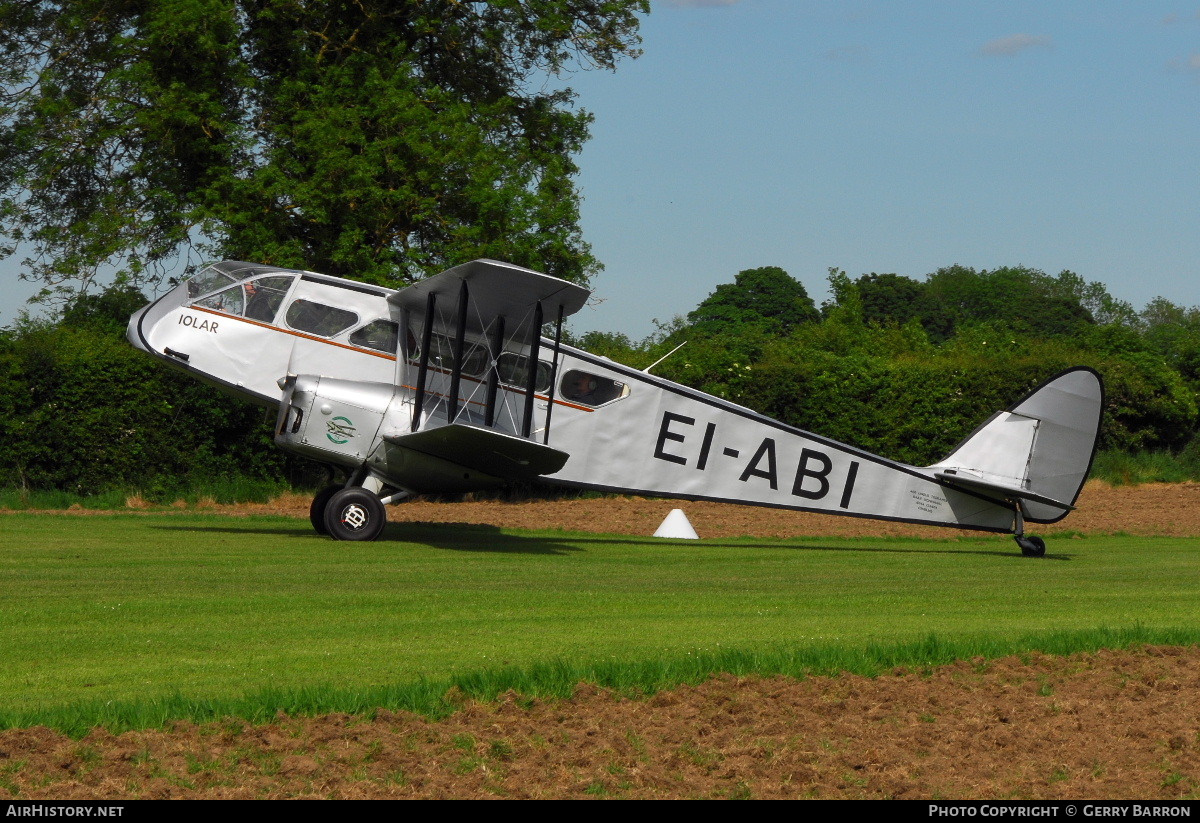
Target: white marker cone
x,y
676,525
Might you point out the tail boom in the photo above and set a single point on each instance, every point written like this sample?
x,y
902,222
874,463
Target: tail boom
x,y
667,440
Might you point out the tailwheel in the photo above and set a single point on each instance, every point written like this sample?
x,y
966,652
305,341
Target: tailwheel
x,y
1032,546
354,514
316,512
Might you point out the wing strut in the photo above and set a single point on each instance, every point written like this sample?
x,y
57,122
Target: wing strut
x,y
423,368
535,346
553,373
460,333
493,378
403,350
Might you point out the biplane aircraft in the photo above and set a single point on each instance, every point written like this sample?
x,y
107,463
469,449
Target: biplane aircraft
x,y
450,385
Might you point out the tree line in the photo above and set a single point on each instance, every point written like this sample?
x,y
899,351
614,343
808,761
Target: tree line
x,y
906,367
902,367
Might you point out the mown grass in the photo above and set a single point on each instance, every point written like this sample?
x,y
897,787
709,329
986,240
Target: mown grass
x,y
1117,468
132,620
219,490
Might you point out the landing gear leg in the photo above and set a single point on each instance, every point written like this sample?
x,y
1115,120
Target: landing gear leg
x,y
1031,546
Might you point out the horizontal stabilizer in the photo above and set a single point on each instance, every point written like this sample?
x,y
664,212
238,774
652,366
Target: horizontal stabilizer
x,y
483,450
1038,450
999,491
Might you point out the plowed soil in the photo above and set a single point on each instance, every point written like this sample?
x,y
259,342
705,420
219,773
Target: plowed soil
x,y
1108,725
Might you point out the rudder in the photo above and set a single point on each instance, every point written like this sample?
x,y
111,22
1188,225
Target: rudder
x,y
1038,451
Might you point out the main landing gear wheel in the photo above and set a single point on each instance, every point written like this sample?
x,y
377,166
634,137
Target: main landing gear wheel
x,y
316,512
354,514
1032,546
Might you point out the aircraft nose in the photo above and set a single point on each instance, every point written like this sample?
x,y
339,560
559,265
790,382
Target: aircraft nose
x,y
142,321
131,331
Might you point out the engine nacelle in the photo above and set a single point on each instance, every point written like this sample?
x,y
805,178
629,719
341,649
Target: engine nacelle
x,y
331,420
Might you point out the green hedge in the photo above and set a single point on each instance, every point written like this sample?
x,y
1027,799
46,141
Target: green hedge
x,y
83,411
890,391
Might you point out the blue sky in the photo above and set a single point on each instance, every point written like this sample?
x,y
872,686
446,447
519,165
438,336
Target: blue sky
x,y
893,137
887,137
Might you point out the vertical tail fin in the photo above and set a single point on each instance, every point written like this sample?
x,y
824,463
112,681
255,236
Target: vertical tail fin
x,y
1038,451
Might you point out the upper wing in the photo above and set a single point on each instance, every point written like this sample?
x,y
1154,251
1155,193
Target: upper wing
x,y
496,289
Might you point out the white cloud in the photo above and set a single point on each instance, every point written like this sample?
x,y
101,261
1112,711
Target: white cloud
x,y
1015,44
1186,65
1175,18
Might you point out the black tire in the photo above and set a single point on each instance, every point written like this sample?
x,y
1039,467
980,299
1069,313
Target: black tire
x,y
1032,546
316,512
354,514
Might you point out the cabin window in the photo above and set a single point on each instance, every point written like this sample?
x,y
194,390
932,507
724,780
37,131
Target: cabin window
x,y
475,358
514,371
591,389
441,354
264,296
319,319
380,335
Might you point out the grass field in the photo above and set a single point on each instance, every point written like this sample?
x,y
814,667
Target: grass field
x,y
130,608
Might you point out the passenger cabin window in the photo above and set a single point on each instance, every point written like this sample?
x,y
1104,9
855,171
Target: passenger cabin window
x,y
514,371
319,319
257,299
590,389
441,355
380,335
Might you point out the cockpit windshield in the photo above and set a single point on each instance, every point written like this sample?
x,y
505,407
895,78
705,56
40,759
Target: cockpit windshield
x,y
209,280
255,299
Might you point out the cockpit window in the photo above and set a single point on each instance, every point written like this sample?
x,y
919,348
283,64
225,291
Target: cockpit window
x,y
319,319
258,299
265,295
380,335
207,281
230,301
591,389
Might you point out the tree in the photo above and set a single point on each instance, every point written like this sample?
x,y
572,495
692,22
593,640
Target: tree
x,y
108,311
1094,297
767,294
1174,332
379,139
1024,300
890,298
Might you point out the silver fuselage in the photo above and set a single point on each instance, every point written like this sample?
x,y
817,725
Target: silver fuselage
x,y
438,399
